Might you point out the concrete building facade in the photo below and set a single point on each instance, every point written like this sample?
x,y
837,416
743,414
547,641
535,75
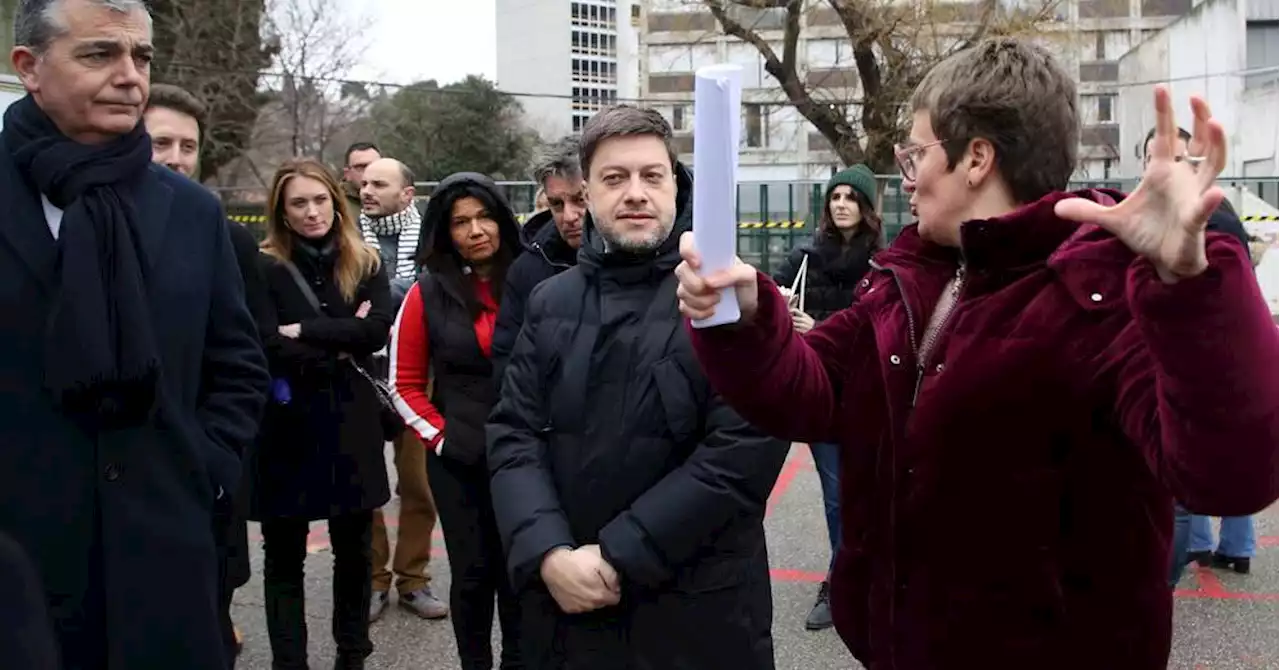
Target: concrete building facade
x,y
678,36
570,58
1226,51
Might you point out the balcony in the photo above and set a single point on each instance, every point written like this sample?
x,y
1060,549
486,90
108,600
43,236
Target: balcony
x,y
670,83
1102,71
1100,136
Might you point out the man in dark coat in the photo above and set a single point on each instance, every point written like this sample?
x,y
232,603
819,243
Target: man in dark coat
x,y
26,641
131,370
552,249
175,122
629,497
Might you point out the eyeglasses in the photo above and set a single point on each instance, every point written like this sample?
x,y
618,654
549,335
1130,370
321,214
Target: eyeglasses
x,y
905,156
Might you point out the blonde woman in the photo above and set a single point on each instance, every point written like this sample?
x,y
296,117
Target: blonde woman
x,y
320,455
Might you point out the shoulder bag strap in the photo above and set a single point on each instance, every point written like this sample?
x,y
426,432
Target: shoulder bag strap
x,y
303,286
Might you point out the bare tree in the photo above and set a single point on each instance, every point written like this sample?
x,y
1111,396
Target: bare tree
x,y
214,49
312,100
893,44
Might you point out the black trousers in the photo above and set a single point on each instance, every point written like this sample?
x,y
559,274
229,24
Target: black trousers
x,y
285,549
476,564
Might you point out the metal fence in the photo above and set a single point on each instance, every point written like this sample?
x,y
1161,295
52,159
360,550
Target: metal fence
x,y
773,217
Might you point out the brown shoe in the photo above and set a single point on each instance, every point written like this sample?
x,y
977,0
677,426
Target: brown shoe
x,y
235,630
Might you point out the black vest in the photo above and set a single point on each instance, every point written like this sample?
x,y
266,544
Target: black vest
x,y
463,390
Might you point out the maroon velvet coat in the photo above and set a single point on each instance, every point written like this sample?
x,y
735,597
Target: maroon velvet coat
x,y
1007,503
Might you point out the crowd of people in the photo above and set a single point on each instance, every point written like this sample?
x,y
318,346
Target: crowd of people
x,y
1088,367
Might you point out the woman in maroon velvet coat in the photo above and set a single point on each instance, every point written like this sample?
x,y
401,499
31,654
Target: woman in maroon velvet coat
x,y
1055,363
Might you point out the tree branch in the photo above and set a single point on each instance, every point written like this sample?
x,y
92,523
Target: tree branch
x,y
832,124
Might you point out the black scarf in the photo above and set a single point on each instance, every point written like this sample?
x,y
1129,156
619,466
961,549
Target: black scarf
x,y
101,364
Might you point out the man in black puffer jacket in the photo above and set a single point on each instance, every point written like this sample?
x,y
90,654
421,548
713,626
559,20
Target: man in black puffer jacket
x,y
630,499
551,239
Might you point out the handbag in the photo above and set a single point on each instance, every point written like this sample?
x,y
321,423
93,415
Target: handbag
x,y
392,424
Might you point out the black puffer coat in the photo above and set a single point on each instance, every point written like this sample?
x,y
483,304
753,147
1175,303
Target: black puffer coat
x,y
834,270
607,433
546,255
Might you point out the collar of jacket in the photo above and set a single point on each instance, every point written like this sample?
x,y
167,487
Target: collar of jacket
x,y
1026,236
540,236
628,267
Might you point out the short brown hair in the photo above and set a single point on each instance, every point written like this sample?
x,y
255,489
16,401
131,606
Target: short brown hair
x,y
1013,94
178,99
623,121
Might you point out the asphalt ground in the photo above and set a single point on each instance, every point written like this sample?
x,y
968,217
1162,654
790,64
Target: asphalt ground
x,y
1222,621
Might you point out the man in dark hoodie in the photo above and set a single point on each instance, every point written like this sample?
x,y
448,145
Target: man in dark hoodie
x,y
630,499
552,248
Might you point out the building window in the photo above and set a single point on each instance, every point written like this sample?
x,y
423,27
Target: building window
x,y
757,126
1100,45
677,118
1105,104
1106,168
1262,52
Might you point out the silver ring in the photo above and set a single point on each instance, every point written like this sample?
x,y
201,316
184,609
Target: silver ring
x,y
1195,160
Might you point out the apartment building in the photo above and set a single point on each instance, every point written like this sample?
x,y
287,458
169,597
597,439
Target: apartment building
x,y
679,36
1226,51
568,58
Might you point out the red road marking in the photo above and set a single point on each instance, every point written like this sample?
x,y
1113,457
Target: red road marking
x,y
796,462
788,575
1268,541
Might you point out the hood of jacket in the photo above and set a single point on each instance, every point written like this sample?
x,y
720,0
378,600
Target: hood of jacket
x,y
540,236
436,240
593,258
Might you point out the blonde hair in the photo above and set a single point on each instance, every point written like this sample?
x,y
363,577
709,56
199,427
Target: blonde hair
x,y
355,260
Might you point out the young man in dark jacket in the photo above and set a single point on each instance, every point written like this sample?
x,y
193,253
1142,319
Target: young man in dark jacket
x,y
552,248
630,499
175,121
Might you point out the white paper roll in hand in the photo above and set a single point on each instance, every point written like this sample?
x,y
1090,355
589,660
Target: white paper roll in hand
x,y
717,105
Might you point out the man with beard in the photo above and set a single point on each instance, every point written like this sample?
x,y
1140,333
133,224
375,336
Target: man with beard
x,y
629,497
391,223
552,249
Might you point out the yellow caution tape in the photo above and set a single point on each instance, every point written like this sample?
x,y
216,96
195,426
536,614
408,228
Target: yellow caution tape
x,y
771,224
248,218
1260,218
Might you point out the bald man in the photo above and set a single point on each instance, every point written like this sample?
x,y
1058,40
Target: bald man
x,y
391,223
387,216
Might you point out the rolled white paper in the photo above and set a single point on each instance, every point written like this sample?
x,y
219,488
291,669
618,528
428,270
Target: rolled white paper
x,y
717,125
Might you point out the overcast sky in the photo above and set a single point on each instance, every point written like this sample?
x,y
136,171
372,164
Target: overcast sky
x,y
412,40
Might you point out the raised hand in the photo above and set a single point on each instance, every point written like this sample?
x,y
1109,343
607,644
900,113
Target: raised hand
x,y
699,295
580,580
1164,218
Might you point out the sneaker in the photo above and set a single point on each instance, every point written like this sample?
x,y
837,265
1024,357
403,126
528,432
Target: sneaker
x,y
820,616
377,605
424,603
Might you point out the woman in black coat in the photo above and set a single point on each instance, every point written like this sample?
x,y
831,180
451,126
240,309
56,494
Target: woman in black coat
x,y
849,232
320,454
